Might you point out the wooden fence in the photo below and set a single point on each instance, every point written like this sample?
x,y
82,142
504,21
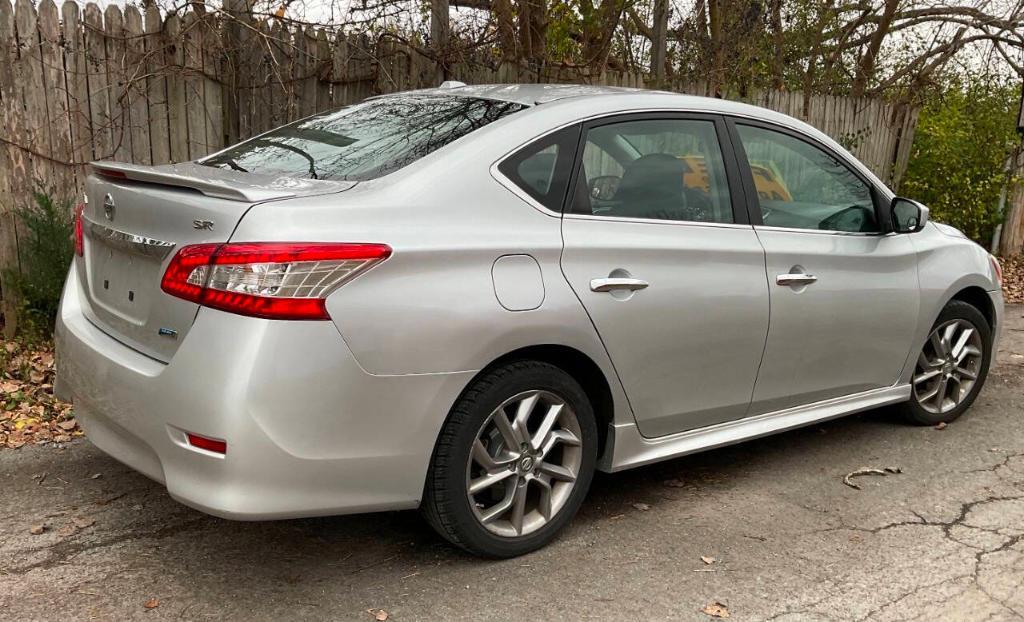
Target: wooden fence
x,y
78,85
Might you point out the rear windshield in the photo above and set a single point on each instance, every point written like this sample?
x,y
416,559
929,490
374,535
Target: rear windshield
x,y
364,141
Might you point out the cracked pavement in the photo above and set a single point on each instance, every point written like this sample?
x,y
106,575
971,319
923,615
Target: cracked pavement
x,y
942,540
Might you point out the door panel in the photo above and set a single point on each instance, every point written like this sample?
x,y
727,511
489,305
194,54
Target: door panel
x,y
848,331
658,250
686,347
844,294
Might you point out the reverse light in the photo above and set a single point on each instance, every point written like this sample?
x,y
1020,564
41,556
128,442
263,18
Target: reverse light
x,y
274,280
79,230
997,268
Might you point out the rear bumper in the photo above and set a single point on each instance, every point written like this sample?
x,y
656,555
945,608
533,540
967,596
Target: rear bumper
x,y
308,431
997,312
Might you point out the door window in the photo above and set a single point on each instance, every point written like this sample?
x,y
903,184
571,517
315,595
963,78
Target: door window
x,y
664,169
803,187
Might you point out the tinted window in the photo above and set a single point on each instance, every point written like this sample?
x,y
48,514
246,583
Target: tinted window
x,y
364,141
803,187
666,169
543,168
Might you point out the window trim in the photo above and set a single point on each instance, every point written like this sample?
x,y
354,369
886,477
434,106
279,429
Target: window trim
x,y
737,192
750,190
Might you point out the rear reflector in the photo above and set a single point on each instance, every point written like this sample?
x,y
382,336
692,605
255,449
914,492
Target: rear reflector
x,y
274,280
79,230
209,444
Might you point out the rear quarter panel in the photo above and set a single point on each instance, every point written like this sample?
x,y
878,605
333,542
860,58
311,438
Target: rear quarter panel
x,y
431,307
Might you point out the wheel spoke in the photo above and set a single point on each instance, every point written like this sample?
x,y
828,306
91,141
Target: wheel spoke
x,y
490,463
940,347
522,418
947,337
519,507
499,508
961,341
544,506
550,419
967,351
559,436
486,481
940,394
924,363
505,429
928,375
557,471
970,375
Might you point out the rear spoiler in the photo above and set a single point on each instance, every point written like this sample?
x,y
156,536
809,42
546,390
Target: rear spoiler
x,y
219,183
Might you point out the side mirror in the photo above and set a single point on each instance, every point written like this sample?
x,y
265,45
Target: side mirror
x,y
908,216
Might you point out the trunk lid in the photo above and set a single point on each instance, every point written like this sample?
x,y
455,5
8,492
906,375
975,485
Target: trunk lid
x,y
137,217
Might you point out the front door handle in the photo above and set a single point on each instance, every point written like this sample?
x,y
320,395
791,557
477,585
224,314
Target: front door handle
x,y
613,283
789,280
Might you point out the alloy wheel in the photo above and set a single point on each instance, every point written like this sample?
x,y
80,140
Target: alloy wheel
x,y
948,366
524,463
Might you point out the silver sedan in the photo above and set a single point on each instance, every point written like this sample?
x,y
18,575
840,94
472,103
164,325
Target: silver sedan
x,y
468,299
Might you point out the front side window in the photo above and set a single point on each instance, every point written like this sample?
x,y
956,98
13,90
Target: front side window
x,y
800,186
662,169
364,141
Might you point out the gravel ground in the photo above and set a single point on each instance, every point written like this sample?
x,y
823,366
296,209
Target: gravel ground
x,y
942,540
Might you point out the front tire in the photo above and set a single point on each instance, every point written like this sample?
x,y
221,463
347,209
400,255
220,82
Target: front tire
x,y
951,367
513,462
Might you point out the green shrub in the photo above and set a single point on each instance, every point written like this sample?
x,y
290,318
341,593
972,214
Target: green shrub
x,y
44,255
958,160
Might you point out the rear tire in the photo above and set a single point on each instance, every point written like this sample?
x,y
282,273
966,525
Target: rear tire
x,y
951,368
504,488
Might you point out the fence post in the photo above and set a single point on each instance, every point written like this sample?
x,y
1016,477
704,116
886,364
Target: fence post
x,y
1012,238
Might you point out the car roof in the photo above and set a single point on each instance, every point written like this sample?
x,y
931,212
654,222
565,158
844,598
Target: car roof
x,y
527,94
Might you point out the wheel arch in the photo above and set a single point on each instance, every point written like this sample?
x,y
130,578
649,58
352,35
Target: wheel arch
x,y
978,298
582,368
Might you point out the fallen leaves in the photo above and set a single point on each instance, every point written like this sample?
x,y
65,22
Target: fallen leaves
x,y
35,530
29,413
941,425
378,614
708,560
1013,279
152,603
716,610
848,480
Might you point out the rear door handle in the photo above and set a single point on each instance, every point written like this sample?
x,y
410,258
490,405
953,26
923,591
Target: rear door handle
x,y
788,280
612,283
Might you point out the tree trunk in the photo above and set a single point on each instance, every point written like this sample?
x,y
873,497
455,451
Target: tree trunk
x,y
659,42
439,29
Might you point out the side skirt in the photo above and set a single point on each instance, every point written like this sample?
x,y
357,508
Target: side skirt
x,y
631,449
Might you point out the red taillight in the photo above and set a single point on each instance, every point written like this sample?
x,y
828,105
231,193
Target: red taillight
x,y
79,235
209,444
275,280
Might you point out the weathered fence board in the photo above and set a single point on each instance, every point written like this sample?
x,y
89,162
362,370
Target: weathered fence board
x,y
149,88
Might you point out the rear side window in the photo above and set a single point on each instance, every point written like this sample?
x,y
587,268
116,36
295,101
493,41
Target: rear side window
x,y
364,141
543,168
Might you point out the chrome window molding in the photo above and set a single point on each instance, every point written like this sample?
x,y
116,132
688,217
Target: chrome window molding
x,y
129,242
877,234
659,221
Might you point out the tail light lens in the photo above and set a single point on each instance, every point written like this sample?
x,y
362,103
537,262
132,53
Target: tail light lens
x,y
79,231
283,281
